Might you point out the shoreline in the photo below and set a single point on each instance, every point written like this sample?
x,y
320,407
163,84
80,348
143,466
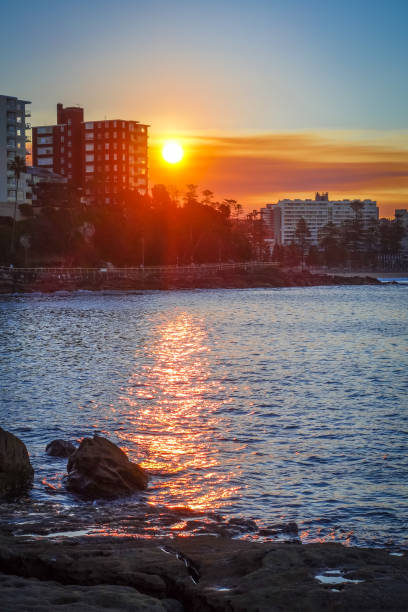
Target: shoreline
x,y
201,277
201,573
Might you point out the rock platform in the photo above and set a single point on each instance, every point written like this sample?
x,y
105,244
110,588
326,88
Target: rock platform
x,y
94,573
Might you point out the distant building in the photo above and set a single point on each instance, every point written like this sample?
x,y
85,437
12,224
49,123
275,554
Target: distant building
x,y
114,159
401,215
58,148
282,218
35,176
13,138
103,158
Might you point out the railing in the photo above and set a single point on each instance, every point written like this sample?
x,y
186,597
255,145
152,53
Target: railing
x,y
141,271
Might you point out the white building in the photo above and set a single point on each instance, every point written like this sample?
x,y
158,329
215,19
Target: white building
x,y
13,137
282,218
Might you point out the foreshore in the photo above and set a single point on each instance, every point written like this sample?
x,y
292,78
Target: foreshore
x,y
228,276
197,574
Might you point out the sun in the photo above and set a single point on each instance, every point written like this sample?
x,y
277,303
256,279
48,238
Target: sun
x,y
172,152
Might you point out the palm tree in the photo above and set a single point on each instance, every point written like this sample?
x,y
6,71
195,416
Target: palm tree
x,y
17,166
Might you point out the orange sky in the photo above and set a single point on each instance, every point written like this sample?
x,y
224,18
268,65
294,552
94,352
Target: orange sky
x,y
259,168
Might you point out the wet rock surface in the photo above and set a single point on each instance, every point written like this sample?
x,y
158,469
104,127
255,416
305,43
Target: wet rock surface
x,y
100,469
16,472
60,448
138,574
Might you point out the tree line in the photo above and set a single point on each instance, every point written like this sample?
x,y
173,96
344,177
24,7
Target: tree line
x,y
162,228
171,228
352,244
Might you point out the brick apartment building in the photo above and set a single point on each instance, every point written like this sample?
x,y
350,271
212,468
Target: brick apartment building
x,y
103,158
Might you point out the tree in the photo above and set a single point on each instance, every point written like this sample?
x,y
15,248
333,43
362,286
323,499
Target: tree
x,y
17,167
329,243
302,237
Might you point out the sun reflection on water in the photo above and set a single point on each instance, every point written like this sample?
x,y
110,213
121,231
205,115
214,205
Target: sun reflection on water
x,y
173,418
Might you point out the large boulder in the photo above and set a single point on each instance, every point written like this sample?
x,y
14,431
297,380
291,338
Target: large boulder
x,y
16,471
99,468
60,448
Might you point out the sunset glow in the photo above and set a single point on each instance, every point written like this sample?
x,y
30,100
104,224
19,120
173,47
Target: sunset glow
x,y
172,152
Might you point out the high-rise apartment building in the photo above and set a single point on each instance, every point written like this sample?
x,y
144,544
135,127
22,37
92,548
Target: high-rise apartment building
x,y
59,147
104,158
13,138
114,159
281,219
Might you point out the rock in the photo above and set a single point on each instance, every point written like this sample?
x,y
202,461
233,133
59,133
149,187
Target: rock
x,y
60,448
22,594
16,472
99,468
119,573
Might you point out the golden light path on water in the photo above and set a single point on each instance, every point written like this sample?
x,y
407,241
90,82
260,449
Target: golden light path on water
x,y
172,416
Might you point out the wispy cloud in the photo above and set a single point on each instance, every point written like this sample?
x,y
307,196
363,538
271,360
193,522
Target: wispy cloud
x,y
263,167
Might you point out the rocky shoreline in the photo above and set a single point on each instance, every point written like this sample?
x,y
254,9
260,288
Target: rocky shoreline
x,y
197,574
67,561
200,277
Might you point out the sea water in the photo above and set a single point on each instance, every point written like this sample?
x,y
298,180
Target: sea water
x,y
273,405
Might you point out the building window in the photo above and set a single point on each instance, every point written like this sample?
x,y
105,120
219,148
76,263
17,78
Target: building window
x,y
106,134
89,136
89,125
106,167
115,168
44,151
89,168
70,143
45,161
115,134
69,154
89,146
69,132
62,129
62,160
115,123
115,156
44,130
115,145
106,145
62,139
45,140
62,149
69,121
107,157
69,165
89,157
123,124
106,124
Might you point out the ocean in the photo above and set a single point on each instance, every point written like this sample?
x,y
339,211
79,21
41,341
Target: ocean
x,y
249,408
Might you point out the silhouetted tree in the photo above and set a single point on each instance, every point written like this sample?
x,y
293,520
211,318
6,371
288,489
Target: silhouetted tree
x,y
17,166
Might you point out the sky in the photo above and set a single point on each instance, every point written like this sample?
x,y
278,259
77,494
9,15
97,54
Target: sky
x,y
269,99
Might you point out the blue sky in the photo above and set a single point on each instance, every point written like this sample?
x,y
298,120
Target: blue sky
x,y
329,76
212,65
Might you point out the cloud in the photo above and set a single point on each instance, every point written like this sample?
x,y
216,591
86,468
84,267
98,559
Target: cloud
x,y
261,168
